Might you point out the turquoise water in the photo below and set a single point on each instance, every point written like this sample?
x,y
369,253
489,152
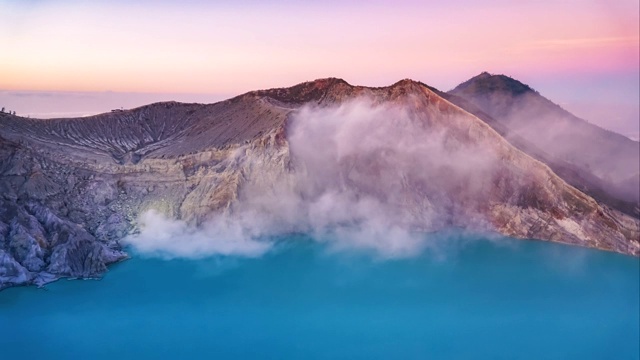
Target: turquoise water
x,y
485,300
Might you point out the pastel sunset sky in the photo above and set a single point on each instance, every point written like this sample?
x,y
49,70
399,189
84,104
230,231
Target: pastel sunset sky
x,y
581,54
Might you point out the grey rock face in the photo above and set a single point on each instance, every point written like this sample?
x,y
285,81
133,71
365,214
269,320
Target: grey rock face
x,y
11,272
72,188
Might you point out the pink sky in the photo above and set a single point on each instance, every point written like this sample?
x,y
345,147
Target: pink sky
x,y
231,47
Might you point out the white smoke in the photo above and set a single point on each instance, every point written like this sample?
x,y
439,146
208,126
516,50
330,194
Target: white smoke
x,y
169,238
364,176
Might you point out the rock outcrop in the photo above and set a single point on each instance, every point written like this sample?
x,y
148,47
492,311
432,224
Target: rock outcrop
x,y
71,189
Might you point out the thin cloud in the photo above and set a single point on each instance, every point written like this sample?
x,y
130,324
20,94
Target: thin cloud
x,y
579,43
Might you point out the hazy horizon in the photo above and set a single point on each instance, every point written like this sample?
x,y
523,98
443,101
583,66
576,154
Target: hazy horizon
x,y
236,46
580,54
615,114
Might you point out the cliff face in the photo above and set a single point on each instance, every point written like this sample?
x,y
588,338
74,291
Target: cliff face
x,y
72,188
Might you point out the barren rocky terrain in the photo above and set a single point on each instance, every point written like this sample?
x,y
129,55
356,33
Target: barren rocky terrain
x,y
71,189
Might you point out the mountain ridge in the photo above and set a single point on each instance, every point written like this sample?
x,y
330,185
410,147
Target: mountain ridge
x,y
609,159
515,87
87,180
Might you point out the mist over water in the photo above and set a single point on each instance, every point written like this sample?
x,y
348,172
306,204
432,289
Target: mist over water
x,y
168,238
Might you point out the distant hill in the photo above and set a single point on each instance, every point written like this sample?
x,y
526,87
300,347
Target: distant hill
x,y
523,113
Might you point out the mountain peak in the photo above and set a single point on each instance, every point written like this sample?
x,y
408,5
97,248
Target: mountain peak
x,y
406,81
607,159
304,92
483,75
486,82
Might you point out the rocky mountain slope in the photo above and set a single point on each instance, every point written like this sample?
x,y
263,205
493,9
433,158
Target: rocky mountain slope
x,y
71,189
604,164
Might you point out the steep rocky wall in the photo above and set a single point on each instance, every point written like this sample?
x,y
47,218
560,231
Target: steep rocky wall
x,y
61,215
